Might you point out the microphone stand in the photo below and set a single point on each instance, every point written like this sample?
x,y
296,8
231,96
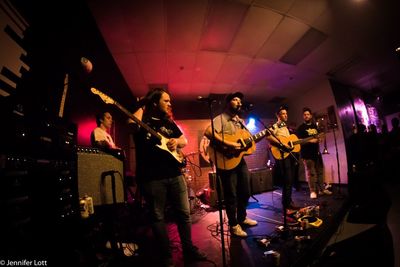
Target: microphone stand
x,y
285,232
218,180
339,193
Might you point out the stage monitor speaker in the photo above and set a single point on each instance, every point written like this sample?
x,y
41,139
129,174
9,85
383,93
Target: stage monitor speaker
x,y
97,172
261,180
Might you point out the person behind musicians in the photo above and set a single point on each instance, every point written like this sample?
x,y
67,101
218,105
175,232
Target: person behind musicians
x,y
287,164
311,156
100,136
159,173
235,182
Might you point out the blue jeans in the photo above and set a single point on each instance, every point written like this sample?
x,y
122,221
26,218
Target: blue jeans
x,y
173,190
236,187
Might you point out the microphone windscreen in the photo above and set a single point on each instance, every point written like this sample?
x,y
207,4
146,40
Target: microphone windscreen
x,y
86,64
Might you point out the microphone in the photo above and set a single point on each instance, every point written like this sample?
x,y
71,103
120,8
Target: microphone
x,y
206,99
86,65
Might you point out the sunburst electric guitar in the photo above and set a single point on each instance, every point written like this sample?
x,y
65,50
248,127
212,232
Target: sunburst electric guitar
x,y
293,143
162,140
228,158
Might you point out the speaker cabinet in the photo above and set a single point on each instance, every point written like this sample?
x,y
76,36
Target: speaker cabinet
x,y
98,173
212,180
212,193
261,180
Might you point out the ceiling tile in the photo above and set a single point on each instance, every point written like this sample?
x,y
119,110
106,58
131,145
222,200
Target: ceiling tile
x,y
180,66
153,67
112,26
222,24
305,45
232,69
185,20
256,28
308,10
129,68
207,66
256,72
324,22
324,57
282,6
144,22
288,32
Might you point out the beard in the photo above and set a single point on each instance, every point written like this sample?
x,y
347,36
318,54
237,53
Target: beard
x,y
236,110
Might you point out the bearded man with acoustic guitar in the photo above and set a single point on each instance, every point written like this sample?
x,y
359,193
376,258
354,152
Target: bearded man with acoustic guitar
x,y
229,148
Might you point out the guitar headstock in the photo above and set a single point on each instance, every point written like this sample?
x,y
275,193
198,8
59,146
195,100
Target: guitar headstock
x,y
103,96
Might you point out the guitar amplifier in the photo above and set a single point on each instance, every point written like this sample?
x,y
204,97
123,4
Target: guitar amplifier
x,y
97,172
261,180
212,193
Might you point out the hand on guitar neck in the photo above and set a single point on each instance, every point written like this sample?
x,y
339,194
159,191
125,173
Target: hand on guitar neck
x,y
171,145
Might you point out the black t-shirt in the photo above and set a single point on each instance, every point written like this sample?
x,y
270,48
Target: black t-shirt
x,y
308,150
153,162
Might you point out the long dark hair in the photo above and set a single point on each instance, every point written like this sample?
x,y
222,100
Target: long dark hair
x,y
152,106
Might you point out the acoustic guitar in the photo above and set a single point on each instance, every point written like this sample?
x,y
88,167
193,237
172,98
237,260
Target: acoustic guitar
x,y
292,142
228,158
162,140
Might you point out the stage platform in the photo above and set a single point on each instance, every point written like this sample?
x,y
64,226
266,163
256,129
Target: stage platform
x,y
294,247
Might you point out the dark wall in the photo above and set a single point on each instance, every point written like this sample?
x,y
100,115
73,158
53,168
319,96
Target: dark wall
x,y
60,33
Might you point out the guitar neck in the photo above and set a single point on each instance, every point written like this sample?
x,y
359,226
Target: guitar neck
x,y
256,137
130,115
304,140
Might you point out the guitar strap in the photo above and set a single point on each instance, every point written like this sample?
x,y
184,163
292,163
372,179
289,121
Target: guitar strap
x,y
244,126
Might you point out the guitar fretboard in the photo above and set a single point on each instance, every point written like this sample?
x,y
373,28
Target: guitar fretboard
x,y
256,136
145,126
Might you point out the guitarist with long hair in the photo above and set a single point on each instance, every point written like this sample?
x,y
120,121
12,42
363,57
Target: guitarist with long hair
x,y
235,178
158,140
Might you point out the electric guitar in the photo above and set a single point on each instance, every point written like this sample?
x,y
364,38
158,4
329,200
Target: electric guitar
x,y
292,142
162,140
227,157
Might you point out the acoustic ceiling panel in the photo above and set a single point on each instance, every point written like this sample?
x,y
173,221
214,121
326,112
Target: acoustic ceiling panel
x,y
310,40
222,24
185,22
287,33
257,26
